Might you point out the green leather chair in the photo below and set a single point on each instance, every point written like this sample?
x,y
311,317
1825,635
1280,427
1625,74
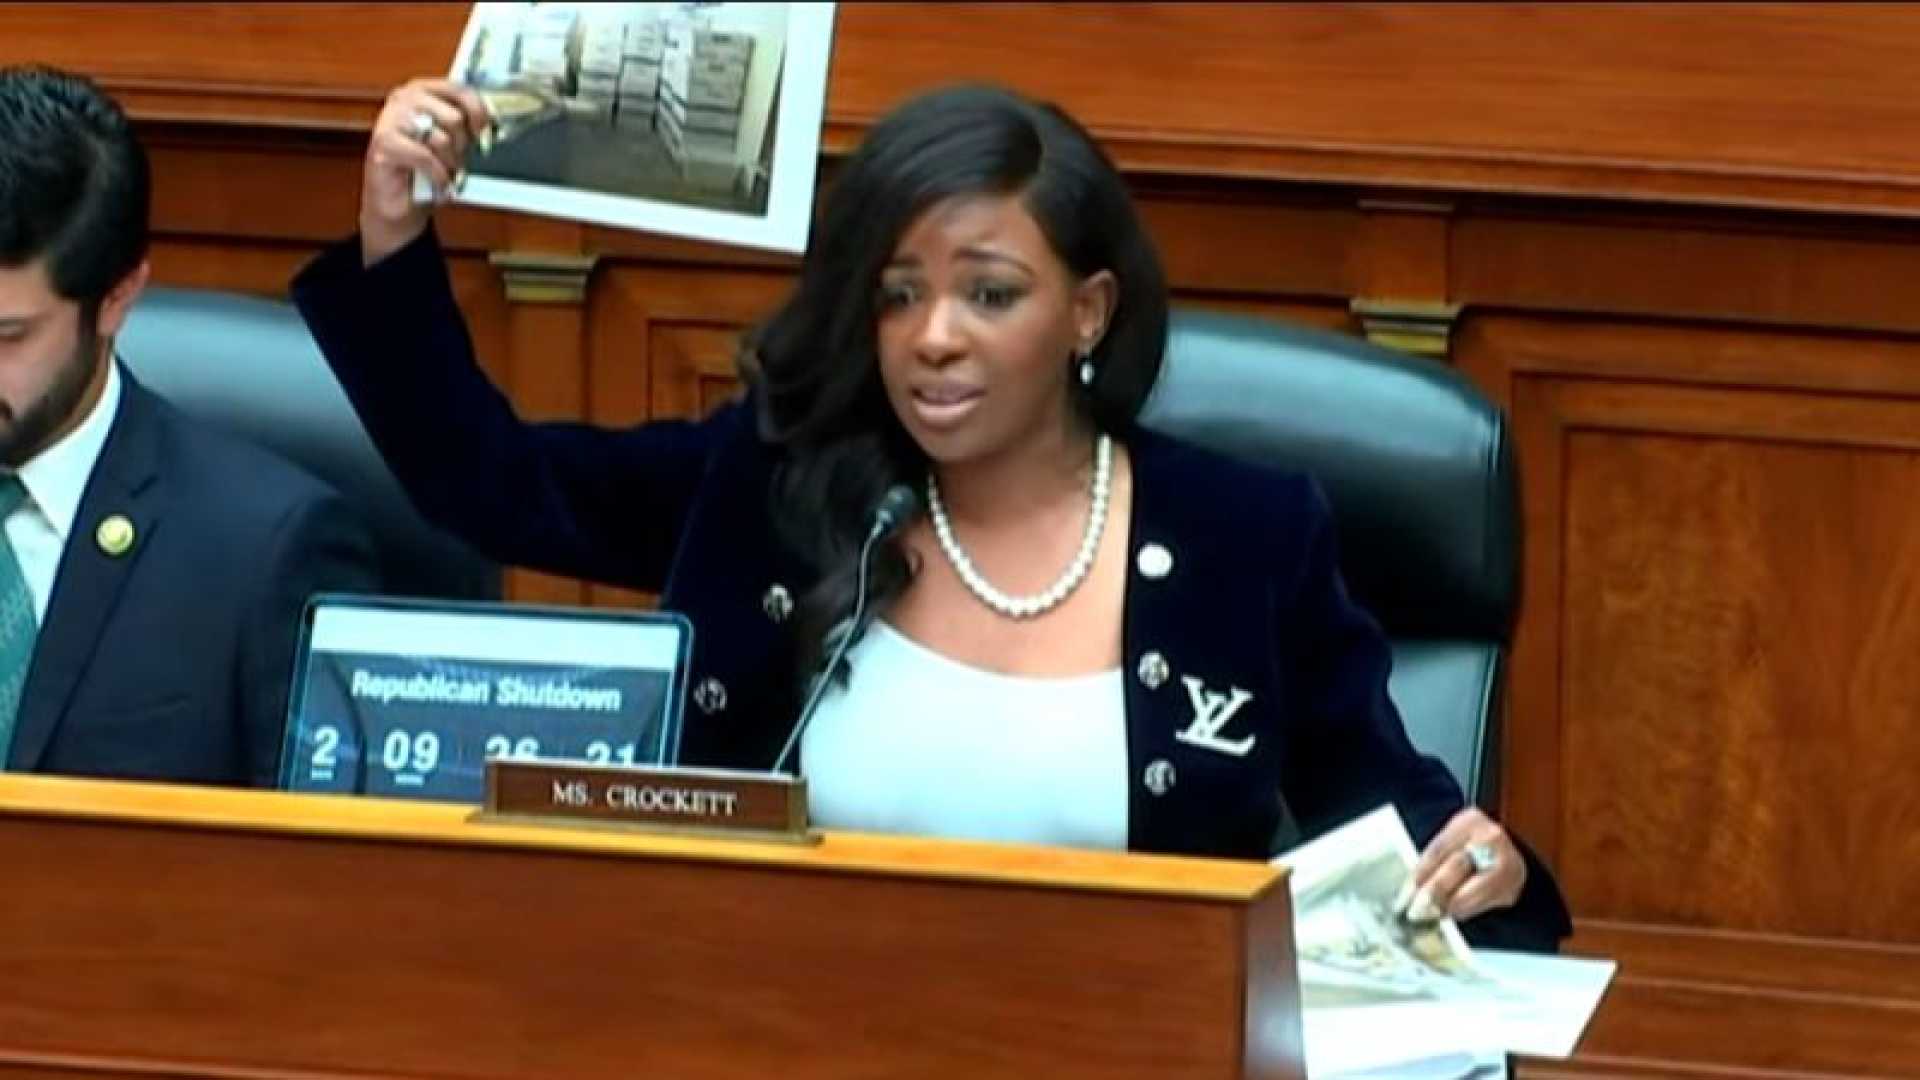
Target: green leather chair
x,y
1419,469
248,366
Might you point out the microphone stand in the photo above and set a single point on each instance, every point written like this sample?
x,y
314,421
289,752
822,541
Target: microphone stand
x,y
881,527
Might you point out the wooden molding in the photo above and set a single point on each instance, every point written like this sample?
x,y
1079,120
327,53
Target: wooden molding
x,y
1672,103
537,277
1420,327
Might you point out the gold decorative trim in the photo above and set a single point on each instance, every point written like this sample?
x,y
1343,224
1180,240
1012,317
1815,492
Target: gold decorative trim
x,y
1420,327
542,277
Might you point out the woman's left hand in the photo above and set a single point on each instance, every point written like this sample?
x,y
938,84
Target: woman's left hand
x,y
1471,867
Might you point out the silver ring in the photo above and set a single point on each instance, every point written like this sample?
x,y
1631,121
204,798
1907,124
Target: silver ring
x,y
424,125
1481,857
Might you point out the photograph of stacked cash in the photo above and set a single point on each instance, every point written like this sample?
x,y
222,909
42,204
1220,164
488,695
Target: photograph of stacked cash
x,y
1386,994
520,65
601,36
677,117
1355,942
703,83
643,47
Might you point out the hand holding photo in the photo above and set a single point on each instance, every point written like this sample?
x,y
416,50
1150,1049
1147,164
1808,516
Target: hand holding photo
x,y
1360,930
1388,989
692,119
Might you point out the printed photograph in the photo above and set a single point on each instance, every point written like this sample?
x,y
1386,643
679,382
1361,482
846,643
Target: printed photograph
x,y
1353,941
694,119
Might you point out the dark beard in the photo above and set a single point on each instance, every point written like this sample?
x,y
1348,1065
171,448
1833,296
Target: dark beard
x,y
23,436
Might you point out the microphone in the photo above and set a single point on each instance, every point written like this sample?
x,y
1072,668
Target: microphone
x,y
895,508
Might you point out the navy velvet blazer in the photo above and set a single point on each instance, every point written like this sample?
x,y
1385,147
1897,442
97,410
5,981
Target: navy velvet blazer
x,y
170,661
1256,701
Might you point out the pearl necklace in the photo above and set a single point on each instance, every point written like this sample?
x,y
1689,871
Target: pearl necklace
x,y
1026,607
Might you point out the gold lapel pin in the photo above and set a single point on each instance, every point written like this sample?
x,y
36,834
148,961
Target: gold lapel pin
x,y
115,534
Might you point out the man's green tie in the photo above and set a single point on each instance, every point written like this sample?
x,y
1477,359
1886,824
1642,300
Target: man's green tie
x,y
17,624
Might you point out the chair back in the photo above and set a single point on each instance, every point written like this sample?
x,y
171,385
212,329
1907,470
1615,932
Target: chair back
x,y
248,366
1419,470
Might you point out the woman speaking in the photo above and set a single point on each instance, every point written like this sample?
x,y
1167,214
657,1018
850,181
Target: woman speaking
x,y
1082,633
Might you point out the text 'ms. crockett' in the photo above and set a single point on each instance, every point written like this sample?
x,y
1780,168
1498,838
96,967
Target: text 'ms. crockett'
x,y
760,805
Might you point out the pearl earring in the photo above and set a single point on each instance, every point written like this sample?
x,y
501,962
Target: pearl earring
x,y
1086,367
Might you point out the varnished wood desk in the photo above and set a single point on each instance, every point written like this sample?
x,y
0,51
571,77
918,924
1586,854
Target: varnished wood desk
x,y
168,931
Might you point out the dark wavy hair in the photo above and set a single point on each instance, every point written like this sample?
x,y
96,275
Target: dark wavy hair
x,y
74,184
813,367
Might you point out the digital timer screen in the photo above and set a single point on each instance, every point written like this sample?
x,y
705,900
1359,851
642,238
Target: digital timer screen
x,y
410,699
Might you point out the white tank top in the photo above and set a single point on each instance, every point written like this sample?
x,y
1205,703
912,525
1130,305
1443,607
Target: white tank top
x,y
918,743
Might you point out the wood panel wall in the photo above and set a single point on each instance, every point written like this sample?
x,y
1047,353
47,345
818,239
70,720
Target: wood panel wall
x,y
1682,241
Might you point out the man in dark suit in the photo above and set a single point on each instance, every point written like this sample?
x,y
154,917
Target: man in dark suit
x,y
152,572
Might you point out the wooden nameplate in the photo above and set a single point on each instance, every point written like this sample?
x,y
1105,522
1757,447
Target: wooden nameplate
x,y
712,802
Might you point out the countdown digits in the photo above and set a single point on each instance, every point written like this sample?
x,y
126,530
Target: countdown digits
x,y
410,757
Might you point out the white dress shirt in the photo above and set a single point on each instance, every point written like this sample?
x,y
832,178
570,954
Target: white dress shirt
x,y
55,480
920,743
